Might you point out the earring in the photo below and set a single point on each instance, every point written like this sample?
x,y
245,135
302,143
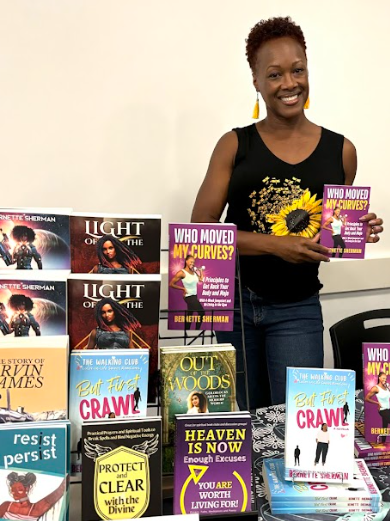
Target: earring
x,y
307,104
256,109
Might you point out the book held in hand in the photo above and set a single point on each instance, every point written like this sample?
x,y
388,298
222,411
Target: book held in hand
x,y
341,228
320,413
115,243
201,276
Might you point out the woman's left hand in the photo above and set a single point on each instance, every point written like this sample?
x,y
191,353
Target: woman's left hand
x,y
374,226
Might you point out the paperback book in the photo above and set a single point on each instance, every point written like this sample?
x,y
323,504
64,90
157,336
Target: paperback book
x,y
34,239
115,243
33,471
122,469
32,304
361,494
376,392
105,384
320,412
369,450
213,464
34,379
342,231
195,380
202,261
118,312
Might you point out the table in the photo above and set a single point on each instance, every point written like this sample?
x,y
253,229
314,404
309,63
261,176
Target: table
x,y
268,429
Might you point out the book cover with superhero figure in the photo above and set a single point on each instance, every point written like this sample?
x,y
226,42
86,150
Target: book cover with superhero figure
x,y
341,229
202,264
31,239
32,304
119,244
116,312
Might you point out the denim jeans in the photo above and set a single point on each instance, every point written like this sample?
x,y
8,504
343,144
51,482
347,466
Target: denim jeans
x,y
276,336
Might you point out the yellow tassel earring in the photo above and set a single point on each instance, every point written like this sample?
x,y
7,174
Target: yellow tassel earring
x,y
256,109
307,104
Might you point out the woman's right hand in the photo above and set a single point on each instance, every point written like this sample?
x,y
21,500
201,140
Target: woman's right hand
x,y
299,249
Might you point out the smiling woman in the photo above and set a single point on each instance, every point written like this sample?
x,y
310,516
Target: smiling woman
x,y
272,174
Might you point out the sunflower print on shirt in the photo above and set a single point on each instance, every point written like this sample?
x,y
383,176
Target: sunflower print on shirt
x,y
285,209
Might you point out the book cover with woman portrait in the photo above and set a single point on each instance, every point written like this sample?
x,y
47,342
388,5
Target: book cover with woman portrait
x,y
341,228
320,416
376,367
119,244
117,312
202,263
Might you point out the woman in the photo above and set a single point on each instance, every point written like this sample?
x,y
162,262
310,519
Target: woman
x,y
22,319
25,251
114,326
190,278
272,174
197,403
322,444
20,486
115,256
336,222
382,392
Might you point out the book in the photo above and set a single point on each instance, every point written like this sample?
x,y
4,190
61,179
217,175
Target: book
x,y
369,450
34,239
33,303
376,392
118,312
305,496
33,471
320,412
122,469
201,274
115,243
213,464
34,379
103,384
341,229
194,379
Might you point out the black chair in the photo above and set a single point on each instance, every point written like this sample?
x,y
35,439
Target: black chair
x,y
348,335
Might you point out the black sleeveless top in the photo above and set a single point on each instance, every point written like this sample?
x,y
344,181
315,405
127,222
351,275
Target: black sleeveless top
x,y
268,195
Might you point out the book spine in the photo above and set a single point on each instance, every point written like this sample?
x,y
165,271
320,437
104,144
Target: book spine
x,y
314,510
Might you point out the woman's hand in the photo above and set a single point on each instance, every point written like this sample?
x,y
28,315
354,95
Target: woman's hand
x,y
299,249
374,226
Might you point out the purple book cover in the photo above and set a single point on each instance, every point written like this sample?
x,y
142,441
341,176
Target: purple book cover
x,y
212,472
376,392
201,276
342,206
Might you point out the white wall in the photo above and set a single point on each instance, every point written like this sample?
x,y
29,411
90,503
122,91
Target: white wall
x,y
117,105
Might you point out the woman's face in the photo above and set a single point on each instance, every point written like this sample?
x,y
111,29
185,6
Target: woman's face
x,y
190,262
281,76
383,378
337,212
18,490
324,427
108,314
195,401
109,250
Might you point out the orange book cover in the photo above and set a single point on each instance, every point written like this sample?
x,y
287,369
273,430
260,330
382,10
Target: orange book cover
x,y
34,379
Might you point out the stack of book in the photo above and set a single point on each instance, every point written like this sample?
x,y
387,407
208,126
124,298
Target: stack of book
x,y
299,497
374,454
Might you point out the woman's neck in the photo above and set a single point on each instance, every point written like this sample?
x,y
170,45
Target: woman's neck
x,y
276,124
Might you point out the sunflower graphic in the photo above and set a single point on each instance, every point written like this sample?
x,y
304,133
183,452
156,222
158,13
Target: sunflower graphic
x,y
302,217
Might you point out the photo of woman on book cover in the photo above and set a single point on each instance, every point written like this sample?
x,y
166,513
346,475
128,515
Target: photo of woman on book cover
x,y
190,277
197,403
322,440
382,392
21,508
24,251
115,256
334,225
115,323
23,320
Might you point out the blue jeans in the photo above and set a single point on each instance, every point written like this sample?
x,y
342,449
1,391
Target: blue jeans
x,y
276,336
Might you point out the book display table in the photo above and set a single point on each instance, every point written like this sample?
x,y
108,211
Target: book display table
x,y
268,429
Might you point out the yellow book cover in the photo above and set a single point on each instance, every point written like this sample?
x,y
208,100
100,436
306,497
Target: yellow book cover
x,y
34,379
